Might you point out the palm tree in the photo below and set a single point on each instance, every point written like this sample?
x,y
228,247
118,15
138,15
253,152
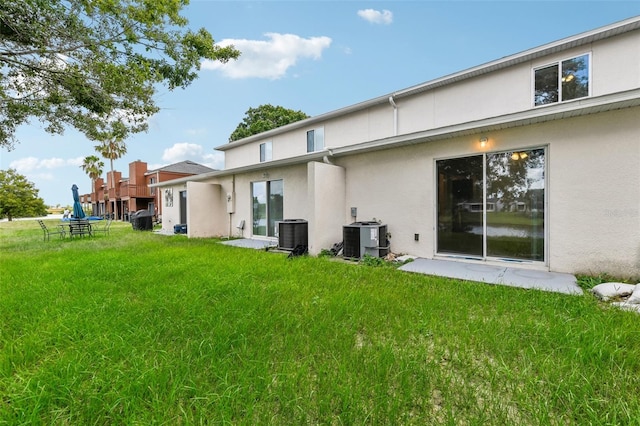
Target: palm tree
x,y
93,167
112,150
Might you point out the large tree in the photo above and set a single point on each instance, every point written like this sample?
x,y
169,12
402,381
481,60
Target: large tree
x,y
19,197
263,118
94,64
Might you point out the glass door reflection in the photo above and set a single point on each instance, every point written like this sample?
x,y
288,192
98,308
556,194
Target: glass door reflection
x,y
460,204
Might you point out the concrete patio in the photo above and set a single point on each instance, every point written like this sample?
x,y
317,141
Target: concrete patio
x,y
491,274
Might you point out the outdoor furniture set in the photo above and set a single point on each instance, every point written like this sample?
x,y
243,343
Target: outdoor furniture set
x,y
75,228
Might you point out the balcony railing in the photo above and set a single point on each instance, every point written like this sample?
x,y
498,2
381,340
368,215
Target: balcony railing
x,y
135,191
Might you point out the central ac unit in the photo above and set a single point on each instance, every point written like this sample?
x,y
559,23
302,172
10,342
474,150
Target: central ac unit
x,y
292,233
364,238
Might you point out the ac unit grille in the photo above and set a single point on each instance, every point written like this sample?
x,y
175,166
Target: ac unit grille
x,y
351,238
292,233
364,238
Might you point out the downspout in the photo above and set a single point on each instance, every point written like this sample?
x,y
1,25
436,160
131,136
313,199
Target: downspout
x,y
326,159
233,194
395,115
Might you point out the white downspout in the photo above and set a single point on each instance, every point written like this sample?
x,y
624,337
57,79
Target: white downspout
x,y
395,115
326,158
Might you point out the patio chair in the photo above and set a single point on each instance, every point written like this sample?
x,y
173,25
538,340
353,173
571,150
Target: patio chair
x,y
105,228
48,232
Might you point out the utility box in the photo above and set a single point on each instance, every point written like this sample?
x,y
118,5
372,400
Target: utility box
x,y
364,238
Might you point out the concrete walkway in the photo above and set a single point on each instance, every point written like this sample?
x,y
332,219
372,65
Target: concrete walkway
x,y
491,274
250,243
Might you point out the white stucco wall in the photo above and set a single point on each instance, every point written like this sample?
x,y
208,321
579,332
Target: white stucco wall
x,y
327,208
594,198
171,214
593,190
206,210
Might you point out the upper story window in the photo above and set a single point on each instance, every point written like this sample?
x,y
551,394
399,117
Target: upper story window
x,y
266,151
315,140
562,81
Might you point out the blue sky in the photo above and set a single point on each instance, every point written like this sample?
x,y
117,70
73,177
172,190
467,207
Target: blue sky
x,y
314,56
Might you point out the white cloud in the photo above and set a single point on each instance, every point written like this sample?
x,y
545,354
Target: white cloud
x,y
376,17
78,161
29,164
214,160
181,152
193,152
24,165
269,58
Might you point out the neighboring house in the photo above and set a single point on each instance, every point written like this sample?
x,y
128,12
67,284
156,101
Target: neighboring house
x,y
134,193
533,158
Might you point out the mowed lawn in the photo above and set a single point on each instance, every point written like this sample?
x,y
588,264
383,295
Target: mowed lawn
x,y
139,328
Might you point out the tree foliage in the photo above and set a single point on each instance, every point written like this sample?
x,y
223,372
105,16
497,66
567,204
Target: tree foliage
x,y
263,118
19,197
93,167
94,64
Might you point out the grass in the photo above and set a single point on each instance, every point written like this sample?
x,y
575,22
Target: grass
x,y
138,328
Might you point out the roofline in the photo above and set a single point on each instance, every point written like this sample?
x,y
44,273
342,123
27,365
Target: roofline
x,y
552,112
601,33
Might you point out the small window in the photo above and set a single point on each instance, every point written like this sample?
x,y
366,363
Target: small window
x,y
315,140
562,81
265,152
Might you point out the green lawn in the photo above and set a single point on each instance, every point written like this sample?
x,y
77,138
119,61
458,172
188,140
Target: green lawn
x,y
138,328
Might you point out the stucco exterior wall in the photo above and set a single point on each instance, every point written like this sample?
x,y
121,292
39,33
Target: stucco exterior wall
x,y
295,202
206,210
170,214
327,208
594,199
593,190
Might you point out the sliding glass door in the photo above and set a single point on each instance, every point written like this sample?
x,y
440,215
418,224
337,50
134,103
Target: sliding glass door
x,y
267,206
492,205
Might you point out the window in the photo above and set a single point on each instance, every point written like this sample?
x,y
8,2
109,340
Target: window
x,y
562,81
265,152
315,140
151,182
267,197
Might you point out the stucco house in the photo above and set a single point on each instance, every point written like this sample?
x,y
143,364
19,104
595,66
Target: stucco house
x,y
532,159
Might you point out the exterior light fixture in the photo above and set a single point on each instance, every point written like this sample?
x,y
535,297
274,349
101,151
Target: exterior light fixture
x,y
519,156
484,141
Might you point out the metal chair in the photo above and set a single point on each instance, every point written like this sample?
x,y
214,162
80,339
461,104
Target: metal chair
x,y
48,232
105,228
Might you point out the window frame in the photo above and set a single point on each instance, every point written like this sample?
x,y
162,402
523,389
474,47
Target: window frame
x,y
558,65
266,154
317,144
